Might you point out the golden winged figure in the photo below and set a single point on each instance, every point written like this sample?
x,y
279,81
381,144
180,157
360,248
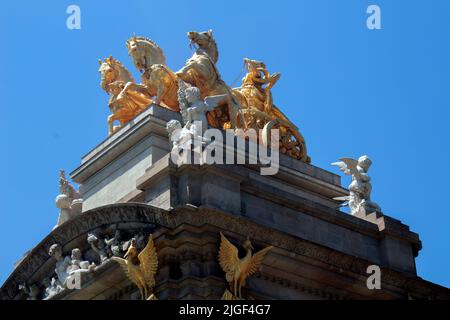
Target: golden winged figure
x,y
237,270
141,267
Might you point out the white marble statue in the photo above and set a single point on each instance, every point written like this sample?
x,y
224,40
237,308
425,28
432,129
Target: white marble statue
x,y
360,188
62,263
177,134
77,264
52,287
99,246
193,110
69,200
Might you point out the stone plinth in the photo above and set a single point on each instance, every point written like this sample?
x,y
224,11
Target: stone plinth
x,y
187,241
129,182
109,172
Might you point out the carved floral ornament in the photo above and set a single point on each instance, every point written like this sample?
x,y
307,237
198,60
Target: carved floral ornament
x,y
249,106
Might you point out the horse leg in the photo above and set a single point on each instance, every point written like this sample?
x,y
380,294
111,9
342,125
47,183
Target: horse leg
x,y
111,120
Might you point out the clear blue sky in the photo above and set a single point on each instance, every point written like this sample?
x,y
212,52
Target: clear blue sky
x,y
350,90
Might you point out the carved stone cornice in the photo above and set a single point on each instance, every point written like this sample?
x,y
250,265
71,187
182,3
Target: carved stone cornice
x,y
237,226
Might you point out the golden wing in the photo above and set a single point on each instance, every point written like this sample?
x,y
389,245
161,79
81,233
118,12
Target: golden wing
x,y
124,265
149,262
255,261
228,257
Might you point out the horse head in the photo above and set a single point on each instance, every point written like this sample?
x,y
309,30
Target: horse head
x,y
144,53
254,64
205,42
111,70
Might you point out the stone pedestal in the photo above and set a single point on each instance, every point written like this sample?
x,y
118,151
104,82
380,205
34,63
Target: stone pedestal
x,y
129,182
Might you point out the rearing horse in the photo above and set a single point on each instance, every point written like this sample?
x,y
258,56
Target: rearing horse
x,y
157,78
200,71
124,103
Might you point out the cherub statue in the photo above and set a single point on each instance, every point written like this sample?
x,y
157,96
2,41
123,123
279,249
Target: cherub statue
x,y
77,263
69,200
360,188
193,110
99,246
177,134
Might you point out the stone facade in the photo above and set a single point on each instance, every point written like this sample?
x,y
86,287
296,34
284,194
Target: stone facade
x,y
129,183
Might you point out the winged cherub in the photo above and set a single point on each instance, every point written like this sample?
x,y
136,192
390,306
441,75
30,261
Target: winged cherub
x,y
193,108
236,269
141,267
360,188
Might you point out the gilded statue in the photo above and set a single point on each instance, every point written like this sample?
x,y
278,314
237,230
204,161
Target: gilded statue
x,y
141,267
259,112
201,71
125,103
256,86
360,188
157,79
238,270
247,107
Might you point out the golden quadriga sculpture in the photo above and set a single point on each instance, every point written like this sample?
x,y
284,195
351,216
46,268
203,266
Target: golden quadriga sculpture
x,y
249,106
238,270
141,267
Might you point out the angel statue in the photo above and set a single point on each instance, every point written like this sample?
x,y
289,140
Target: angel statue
x,y
236,269
141,267
69,200
360,188
193,111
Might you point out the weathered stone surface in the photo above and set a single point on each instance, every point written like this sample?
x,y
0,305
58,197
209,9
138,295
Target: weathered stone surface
x,y
319,252
109,172
187,242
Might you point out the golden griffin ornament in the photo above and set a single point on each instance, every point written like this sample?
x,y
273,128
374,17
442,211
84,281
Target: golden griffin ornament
x,y
238,270
141,267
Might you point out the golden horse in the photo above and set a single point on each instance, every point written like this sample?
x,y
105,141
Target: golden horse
x,y
159,81
201,71
124,103
249,106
